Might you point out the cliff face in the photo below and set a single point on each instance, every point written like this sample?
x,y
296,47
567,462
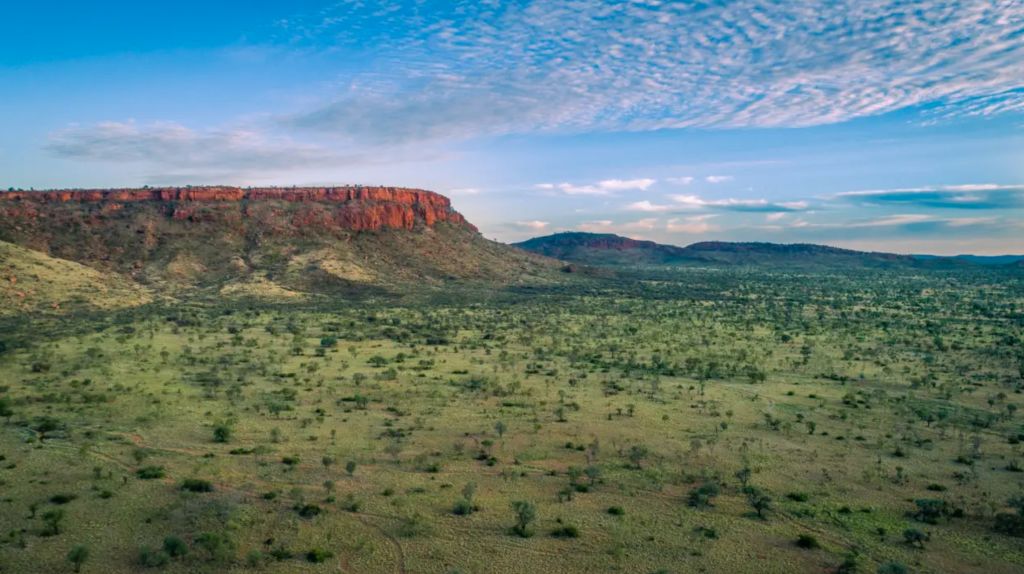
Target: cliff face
x,y
353,208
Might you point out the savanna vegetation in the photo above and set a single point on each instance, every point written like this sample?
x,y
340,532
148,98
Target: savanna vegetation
x,y
687,420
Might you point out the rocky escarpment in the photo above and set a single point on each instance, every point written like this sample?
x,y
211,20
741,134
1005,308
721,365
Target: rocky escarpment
x,y
350,208
299,238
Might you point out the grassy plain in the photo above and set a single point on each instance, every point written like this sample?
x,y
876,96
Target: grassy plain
x,y
645,419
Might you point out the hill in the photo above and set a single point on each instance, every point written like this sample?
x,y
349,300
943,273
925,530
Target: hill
x,y
264,242
31,281
614,250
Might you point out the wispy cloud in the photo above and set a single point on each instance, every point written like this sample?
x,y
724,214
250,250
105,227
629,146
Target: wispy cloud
x,y
604,187
534,225
172,147
718,178
696,224
465,69
964,196
762,205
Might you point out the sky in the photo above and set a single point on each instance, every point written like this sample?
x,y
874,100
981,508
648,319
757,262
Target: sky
x,y
888,125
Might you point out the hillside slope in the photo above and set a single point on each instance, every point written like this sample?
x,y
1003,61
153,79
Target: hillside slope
x,y
32,282
267,242
613,250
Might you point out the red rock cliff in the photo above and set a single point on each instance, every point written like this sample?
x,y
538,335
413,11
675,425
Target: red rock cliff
x,y
355,208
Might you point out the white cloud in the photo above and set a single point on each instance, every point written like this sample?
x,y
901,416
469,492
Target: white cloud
x,y
626,184
603,187
625,228
465,69
464,191
205,154
689,201
775,216
648,206
718,178
693,225
684,180
534,224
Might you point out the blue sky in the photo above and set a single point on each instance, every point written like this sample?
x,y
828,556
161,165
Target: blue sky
x,y
875,124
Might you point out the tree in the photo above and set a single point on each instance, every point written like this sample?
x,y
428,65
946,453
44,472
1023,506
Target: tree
x,y
637,453
703,495
892,568
915,537
500,428
465,506
175,547
52,519
1009,523
758,500
222,432
526,513
6,410
77,556
350,467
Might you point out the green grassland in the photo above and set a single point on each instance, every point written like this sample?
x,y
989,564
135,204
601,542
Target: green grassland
x,y
644,418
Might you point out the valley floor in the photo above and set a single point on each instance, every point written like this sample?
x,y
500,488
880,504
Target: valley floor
x,y
685,421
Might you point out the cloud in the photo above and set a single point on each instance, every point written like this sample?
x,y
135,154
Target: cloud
x,y
718,178
964,196
534,225
609,226
464,191
192,153
733,204
694,225
684,180
901,220
604,187
648,206
460,70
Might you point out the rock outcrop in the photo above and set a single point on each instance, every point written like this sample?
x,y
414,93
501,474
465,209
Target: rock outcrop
x,y
349,208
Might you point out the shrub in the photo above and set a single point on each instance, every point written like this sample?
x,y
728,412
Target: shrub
x,y
77,556
807,541
892,568
567,531
175,547
616,510
197,485
703,496
309,510
526,513
151,472
152,558
318,555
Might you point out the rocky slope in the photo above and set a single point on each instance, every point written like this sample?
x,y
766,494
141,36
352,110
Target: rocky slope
x,y
263,241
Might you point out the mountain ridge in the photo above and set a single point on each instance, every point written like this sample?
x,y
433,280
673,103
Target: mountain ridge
x,y
611,249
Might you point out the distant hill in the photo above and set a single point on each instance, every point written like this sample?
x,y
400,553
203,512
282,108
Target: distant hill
x,y
265,242
605,249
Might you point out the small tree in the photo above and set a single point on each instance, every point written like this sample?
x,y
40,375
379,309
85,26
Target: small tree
x,y
526,513
500,428
77,556
637,453
52,520
758,500
350,467
703,496
915,537
465,506
175,547
222,432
